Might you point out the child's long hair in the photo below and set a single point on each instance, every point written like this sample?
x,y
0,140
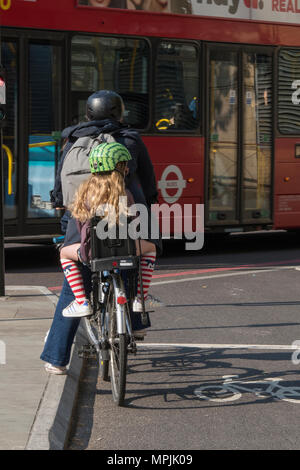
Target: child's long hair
x,y
101,190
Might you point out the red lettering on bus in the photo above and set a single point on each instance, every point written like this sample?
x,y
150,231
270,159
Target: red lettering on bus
x,y
282,6
285,6
290,6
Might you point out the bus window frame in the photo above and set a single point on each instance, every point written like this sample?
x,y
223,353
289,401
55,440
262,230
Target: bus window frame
x,y
240,49
278,132
116,36
23,224
198,130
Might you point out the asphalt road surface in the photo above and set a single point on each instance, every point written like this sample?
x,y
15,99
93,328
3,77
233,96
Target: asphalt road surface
x,y
219,368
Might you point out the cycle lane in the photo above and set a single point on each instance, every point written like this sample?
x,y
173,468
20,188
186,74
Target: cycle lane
x,y
242,325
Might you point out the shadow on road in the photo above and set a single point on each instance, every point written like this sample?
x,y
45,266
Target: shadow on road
x,y
181,378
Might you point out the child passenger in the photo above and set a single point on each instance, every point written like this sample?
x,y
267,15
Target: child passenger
x,y
103,189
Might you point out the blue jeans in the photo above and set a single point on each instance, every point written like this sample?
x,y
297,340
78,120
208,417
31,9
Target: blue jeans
x,y
57,349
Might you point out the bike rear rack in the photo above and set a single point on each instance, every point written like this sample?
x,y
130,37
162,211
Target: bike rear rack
x,y
116,262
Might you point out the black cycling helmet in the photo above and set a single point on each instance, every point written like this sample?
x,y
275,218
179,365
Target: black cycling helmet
x,y
104,104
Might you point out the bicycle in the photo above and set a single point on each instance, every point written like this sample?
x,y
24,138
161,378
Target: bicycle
x,y
231,390
109,328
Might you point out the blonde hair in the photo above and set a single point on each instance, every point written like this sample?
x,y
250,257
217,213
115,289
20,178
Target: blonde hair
x,y
101,191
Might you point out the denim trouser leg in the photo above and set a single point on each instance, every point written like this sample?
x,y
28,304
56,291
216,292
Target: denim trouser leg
x,y
57,349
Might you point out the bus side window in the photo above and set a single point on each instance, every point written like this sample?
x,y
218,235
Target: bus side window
x,y
177,82
111,63
288,91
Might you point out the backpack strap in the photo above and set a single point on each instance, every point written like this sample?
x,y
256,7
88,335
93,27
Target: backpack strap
x,y
93,142
100,139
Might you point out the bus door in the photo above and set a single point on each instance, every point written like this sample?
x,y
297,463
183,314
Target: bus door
x,y
239,136
45,121
9,54
34,64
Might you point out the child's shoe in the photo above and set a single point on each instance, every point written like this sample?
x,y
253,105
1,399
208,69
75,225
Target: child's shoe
x,y
76,310
150,304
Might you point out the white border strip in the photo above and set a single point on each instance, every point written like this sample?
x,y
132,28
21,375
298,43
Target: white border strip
x,y
275,347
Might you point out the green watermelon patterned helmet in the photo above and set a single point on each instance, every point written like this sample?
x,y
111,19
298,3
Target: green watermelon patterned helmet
x,y
105,157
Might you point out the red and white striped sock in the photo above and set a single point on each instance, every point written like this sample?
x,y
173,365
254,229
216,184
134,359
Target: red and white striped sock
x,y
74,278
147,265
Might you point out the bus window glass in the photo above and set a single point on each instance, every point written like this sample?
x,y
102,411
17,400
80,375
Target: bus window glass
x,y
119,64
257,132
223,144
45,99
289,91
10,132
177,85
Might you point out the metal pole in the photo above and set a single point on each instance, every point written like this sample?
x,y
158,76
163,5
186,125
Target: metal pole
x,y
2,252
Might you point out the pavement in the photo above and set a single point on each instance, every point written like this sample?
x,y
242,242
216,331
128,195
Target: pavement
x,y
35,407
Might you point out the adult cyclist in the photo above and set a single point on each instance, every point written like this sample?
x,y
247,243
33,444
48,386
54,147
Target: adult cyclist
x,y
104,112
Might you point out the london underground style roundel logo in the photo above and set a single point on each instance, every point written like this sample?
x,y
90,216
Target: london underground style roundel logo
x,y
164,184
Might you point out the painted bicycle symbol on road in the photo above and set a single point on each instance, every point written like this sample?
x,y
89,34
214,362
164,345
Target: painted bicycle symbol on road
x,y
232,390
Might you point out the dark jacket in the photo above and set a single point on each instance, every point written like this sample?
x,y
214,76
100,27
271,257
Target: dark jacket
x,y
141,180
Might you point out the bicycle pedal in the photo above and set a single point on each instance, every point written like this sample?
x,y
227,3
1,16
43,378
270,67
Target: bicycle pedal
x,y
87,352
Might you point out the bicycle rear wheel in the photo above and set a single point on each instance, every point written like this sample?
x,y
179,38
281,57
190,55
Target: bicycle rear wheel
x,y
118,352
104,356
118,366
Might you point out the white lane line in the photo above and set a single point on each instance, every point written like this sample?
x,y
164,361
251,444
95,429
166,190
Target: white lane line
x,y
274,347
240,273
44,290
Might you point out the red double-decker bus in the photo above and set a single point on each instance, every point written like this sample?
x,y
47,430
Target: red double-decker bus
x,y
213,87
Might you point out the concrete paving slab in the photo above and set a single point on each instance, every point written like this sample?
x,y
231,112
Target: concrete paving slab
x,y
30,399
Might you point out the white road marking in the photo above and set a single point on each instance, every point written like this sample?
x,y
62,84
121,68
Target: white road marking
x,y
44,290
274,347
212,276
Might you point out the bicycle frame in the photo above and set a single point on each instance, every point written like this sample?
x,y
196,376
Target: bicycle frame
x,y
112,304
121,318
